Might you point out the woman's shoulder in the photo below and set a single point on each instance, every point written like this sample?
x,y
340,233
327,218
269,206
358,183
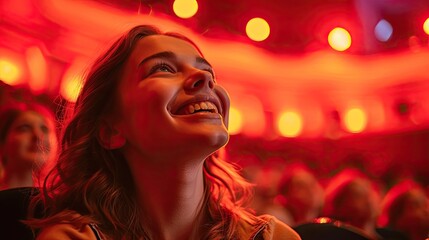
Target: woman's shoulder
x,y
70,230
67,231
276,229
269,227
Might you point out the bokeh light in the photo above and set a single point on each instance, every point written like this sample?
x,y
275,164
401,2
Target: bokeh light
x,y
257,29
383,30
9,72
37,68
290,124
252,110
235,123
426,26
339,39
72,81
355,120
70,88
185,8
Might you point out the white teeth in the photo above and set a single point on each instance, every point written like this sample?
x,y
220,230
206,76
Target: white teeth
x,y
191,109
202,105
212,106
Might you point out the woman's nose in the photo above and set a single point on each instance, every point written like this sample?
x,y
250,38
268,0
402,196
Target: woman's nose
x,y
39,134
199,80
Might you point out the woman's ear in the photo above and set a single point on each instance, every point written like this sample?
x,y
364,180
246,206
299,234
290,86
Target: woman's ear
x,y
110,137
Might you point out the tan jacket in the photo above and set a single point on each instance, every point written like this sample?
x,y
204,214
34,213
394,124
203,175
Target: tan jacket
x,y
269,229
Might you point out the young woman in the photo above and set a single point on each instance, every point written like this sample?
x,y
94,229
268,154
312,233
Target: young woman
x,y
27,142
139,156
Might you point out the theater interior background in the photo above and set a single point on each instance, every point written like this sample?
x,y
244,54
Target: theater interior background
x,y
332,84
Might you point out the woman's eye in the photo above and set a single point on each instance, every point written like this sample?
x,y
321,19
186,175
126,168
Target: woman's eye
x,y
23,128
44,129
162,67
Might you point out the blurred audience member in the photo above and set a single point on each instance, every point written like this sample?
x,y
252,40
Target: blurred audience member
x,y
300,193
405,208
27,142
266,177
353,199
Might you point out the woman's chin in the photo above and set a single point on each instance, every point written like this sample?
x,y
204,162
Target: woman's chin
x,y
218,139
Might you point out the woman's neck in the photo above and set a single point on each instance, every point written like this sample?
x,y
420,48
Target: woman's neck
x,y
171,199
14,178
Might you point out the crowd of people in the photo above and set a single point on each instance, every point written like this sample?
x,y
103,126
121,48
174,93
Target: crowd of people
x,y
294,194
141,158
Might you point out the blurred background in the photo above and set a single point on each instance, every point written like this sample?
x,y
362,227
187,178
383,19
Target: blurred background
x,y
331,84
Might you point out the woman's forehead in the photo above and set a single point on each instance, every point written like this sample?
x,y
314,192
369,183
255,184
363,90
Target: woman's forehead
x,y
154,44
31,116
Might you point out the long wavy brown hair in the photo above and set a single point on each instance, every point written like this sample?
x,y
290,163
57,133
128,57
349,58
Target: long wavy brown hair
x,y
96,182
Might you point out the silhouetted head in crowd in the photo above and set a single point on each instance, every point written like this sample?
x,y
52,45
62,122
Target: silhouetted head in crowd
x,y
28,141
405,208
354,199
300,193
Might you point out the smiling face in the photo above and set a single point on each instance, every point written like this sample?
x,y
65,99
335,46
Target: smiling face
x,y
169,102
29,141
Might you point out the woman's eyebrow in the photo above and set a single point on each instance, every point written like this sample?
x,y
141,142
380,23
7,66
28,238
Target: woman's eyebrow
x,y
172,56
204,61
167,55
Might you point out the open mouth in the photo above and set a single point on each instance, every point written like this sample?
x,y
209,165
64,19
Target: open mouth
x,y
198,107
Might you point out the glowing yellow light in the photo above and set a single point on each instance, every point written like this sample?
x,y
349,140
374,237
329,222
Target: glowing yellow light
x,y
290,124
235,121
426,26
355,120
37,68
339,39
323,220
185,8
9,72
70,87
257,29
